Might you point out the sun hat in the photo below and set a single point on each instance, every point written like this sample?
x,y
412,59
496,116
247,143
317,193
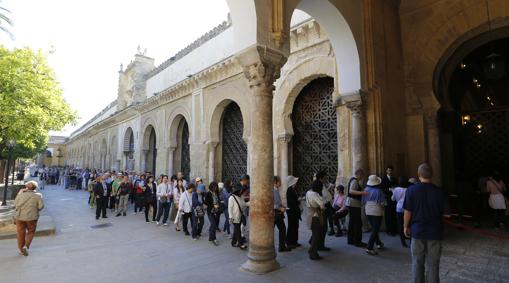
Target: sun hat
x,y
292,181
374,180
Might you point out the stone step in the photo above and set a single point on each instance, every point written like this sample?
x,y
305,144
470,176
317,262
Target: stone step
x,y
45,227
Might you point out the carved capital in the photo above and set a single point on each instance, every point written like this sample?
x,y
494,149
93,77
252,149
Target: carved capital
x,y
212,144
357,108
261,66
430,119
284,139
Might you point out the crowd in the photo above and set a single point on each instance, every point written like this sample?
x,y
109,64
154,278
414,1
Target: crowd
x,y
412,209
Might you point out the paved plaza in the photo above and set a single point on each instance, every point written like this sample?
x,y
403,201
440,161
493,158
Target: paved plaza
x,y
131,250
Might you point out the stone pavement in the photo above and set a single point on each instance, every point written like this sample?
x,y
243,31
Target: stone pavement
x,y
132,251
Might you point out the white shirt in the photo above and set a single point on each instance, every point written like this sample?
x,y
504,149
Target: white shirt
x,y
398,195
163,190
235,210
314,200
185,202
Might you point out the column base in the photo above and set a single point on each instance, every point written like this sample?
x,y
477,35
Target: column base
x,y
260,267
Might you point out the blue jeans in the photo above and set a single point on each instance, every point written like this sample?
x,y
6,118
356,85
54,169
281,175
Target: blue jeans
x,y
212,226
425,252
226,227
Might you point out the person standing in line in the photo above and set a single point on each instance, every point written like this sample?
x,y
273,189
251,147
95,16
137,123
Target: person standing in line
x,y
91,185
315,218
177,190
198,211
353,202
180,177
102,192
226,189
340,209
425,205
213,205
389,182
140,201
321,177
164,196
123,196
43,177
236,208
398,195
375,203
279,215
293,212
115,186
495,187
28,204
186,207
150,199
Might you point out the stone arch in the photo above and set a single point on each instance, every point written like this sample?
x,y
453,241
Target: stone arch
x,y
293,82
216,118
342,39
147,128
128,137
173,121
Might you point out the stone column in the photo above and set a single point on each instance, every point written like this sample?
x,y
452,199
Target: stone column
x,y
283,144
144,154
359,156
433,144
212,160
261,67
171,153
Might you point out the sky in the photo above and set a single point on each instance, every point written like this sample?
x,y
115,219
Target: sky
x,y
90,39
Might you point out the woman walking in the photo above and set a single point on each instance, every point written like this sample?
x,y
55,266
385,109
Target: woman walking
x,y
28,204
236,208
178,189
186,207
151,199
375,203
198,211
139,188
213,206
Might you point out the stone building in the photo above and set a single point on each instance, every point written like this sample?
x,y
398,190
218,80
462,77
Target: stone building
x,y
54,154
289,87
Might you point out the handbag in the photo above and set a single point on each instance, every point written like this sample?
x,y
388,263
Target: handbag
x,y
198,211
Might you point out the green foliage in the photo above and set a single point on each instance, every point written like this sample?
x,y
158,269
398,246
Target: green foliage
x,y
31,102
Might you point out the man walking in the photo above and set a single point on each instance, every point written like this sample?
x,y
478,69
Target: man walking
x,y
28,204
425,205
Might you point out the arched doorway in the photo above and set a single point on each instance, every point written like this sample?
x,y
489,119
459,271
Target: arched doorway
x,y
472,88
151,150
128,149
315,141
183,156
234,149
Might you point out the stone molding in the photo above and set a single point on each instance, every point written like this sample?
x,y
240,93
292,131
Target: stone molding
x,y
284,138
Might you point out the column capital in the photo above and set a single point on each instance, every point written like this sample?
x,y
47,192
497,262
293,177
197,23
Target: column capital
x,y
284,138
261,65
212,144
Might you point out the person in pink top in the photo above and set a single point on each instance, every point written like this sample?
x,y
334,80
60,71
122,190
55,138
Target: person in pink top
x,y
341,210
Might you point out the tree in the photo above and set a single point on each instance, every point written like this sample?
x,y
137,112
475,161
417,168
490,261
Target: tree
x,y
31,102
5,20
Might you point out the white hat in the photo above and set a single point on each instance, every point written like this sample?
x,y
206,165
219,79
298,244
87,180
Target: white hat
x,y
220,185
291,180
374,180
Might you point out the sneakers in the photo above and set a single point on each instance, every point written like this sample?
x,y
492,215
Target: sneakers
x,y
380,246
243,247
118,214
24,251
157,223
215,243
135,213
165,224
371,252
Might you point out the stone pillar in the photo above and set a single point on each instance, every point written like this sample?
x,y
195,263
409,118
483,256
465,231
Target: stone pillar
x,y
359,156
212,160
283,144
433,144
171,153
144,154
261,67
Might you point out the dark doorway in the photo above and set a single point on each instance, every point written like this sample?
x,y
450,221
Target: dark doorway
x,y
234,149
315,141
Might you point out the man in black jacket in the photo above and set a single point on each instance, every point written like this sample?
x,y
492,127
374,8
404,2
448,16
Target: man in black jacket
x,y
389,182
102,192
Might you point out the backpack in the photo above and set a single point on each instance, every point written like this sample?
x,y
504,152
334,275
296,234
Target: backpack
x,y
124,189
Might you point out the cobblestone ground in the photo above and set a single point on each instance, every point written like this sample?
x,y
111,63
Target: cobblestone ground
x,y
132,251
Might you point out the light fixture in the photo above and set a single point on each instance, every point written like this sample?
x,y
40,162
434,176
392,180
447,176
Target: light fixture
x,y
463,66
465,119
475,80
478,85
487,97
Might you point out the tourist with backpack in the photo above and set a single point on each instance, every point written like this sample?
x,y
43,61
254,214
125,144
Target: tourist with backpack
x,y
198,211
236,208
123,196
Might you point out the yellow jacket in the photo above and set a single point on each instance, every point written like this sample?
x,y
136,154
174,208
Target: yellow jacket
x,y
28,204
